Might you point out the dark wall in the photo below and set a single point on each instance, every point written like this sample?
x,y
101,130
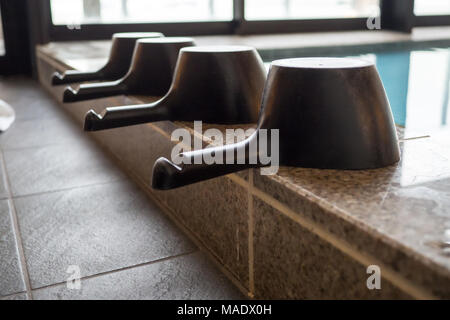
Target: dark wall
x,y
17,42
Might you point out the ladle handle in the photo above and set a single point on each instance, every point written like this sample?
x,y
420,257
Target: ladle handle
x,y
116,117
72,76
168,175
94,91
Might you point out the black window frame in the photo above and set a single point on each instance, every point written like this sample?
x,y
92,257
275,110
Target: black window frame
x,y
395,15
16,58
30,23
238,26
431,20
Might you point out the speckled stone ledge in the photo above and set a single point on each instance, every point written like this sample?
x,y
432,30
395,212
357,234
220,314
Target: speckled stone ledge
x,y
302,233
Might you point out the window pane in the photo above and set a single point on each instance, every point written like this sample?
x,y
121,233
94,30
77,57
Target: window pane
x,y
69,12
310,9
431,7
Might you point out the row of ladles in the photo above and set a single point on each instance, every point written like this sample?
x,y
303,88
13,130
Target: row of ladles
x,y
331,113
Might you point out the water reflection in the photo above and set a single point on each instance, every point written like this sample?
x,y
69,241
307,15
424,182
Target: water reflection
x,y
428,91
394,71
418,84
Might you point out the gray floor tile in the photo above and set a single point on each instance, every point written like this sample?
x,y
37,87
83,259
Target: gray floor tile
x,y
28,100
52,168
99,222
32,133
19,296
186,277
99,229
11,280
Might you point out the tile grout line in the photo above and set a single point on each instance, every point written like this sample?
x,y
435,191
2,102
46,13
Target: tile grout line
x,y
105,273
70,189
42,146
251,264
13,295
16,228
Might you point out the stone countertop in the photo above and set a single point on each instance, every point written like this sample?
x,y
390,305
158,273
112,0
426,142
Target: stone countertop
x,y
405,206
404,210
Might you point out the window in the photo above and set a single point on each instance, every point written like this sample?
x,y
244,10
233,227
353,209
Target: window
x,y
431,7
99,19
74,12
310,9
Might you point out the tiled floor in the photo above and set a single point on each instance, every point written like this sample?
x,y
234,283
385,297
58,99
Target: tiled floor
x,y
63,203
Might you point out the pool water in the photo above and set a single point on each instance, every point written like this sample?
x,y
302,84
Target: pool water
x,y
417,83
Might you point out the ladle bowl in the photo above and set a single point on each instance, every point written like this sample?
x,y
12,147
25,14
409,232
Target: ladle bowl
x,y
151,72
331,113
118,63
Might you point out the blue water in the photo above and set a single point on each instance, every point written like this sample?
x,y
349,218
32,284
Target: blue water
x,y
417,83
394,69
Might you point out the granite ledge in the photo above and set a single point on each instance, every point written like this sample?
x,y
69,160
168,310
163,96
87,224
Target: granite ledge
x,y
388,213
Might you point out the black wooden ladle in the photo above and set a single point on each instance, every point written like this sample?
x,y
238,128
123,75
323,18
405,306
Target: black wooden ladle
x,y
151,72
331,113
118,63
213,84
